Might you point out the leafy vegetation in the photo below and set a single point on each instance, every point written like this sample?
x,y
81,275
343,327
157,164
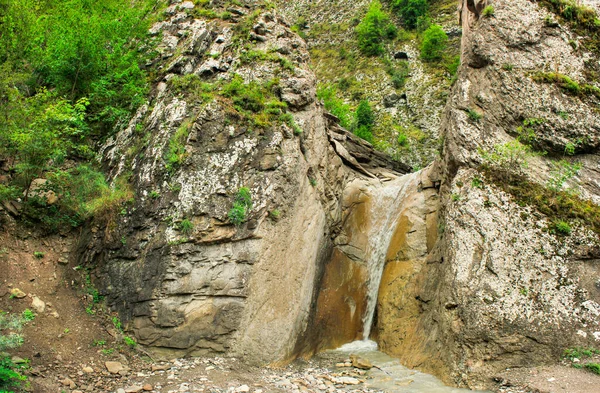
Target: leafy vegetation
x,y
504,166
567,84
373,29
411,11
488,11
580,353
71,75
186,227
474,115
593,367
10,338
435,42
365,119
241,206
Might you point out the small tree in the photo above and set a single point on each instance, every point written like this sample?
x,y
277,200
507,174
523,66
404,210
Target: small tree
x,y
372,30
364,115
411,11
434,43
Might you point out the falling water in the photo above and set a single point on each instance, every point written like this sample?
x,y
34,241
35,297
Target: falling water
x,y
385,209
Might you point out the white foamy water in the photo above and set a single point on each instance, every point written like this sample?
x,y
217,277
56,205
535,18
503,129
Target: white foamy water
x,y
385,208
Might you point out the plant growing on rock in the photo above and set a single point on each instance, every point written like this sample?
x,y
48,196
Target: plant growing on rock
x,y
488,11
562,171
435,41
373,29
411,11
241,205
186,227
10,376
510,158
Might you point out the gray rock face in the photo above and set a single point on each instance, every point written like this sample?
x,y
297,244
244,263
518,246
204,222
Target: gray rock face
x,y
499,290
215,287
473,281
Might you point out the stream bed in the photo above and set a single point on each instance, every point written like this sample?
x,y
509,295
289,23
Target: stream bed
x,y
389,375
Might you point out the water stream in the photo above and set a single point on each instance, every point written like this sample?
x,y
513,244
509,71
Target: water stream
x,y
385,208
390,376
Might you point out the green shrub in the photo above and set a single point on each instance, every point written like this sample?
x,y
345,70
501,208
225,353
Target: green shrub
x,y
561,227
10,377
38,254
241,206
402,139
186,227
474,115
488,11
562,171
574,12
373,29
364,115
288,119
509,158
245,96
580,353
411,11
434,44
335,105
28,315
176,154
365,133
399,74
130,341
593,367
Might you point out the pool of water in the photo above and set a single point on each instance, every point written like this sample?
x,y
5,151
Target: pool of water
x,y
390,375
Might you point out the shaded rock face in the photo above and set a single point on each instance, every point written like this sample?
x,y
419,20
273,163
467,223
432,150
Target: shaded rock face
x,y
498,290
184,279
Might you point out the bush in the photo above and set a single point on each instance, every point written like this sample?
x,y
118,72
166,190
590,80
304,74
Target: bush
x,y
10,377
488,11
509,158
372,30
411,11
561,227
593,367
434,44
245,96
474,115
186,227
335,105
82,49
241,205
364,115
364,133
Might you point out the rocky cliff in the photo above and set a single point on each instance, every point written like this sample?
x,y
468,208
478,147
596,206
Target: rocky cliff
x,y
477,275
235,108
502,287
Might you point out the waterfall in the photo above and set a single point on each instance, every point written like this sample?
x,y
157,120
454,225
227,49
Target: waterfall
x,y
385,208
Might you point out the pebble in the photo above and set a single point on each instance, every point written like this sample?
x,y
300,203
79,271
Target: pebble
x,y
134,389
88,370
38,305
346,380
114,367
16,292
